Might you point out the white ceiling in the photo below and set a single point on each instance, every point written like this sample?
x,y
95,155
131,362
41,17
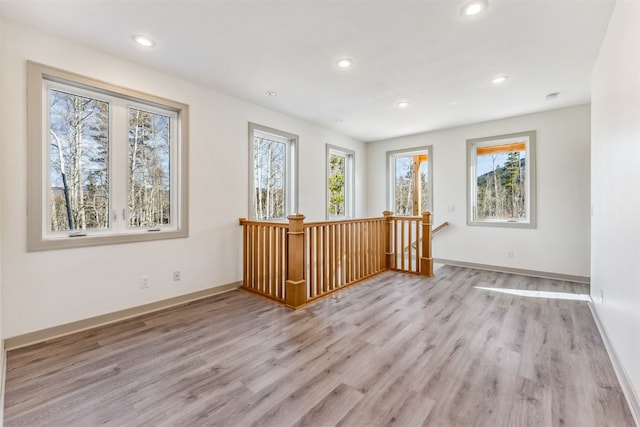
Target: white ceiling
x,y
421,51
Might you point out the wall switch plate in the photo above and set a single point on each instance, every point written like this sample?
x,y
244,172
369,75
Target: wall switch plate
x,y
144,282
176,276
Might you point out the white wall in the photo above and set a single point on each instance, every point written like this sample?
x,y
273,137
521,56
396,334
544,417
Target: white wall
x,y
615,227
50,288
559,244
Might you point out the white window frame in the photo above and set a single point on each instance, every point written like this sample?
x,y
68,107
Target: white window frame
x,y
391,173
349,181
291,173
529,138
40,80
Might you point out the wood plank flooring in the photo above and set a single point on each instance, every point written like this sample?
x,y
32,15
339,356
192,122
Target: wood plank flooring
x,y
397,350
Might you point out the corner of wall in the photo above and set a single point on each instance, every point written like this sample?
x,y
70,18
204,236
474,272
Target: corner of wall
x,y
2,353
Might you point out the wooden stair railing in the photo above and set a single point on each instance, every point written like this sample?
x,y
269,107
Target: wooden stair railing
x,y
440,228
433,233
296,263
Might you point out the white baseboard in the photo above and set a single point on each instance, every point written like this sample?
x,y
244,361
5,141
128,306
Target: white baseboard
x,y
117,316
520,271
630,393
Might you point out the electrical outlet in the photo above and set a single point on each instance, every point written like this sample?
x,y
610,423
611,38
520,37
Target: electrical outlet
x,y
176,276
144,282
510,253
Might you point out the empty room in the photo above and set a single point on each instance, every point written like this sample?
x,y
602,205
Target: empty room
x,y
319,213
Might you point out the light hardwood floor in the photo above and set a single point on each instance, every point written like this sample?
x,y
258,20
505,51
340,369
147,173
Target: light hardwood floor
x,y
397,350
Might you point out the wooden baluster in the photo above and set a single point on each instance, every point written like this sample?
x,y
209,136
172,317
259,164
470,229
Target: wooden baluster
x,y
321,259
388,262
412,225
327,258
272,261
310,260
244,252
256,254
367,249
343,252
332,256
418,245
360,252
381,246
296,286
426,261
283,261
403,264
349,253
313,262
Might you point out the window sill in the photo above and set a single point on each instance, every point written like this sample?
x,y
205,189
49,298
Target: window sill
x,y
37,243
502,223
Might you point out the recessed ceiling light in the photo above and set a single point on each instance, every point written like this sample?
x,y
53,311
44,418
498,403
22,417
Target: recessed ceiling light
x,y
552,96
272,93
143,40
474,7
499,79
402,104
344,62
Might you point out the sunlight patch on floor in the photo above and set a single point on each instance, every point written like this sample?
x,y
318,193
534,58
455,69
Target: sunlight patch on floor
x,y
538,294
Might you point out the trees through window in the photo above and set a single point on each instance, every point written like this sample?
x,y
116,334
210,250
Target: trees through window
x,y
106,164
273,166
340,181
501,180
410,181
78,162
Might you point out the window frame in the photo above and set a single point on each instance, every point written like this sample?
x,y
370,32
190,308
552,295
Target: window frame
x,y
40,78
530,173
391,155
349,181
291,173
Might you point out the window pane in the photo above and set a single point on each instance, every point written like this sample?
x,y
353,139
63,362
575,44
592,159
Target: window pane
x,y
425,197
337,187
501,183
78,162
149,180
403,185
269,162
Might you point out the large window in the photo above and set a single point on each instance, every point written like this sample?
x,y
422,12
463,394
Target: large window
x,y
340,181
273,167
502,180
410,181
106,164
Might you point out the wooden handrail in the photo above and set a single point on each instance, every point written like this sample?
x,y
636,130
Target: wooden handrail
x,y
440,227
245,221
340,221
433,232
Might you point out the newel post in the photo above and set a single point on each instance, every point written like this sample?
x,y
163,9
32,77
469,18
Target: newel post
x,y
295,286
389,261
426,260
